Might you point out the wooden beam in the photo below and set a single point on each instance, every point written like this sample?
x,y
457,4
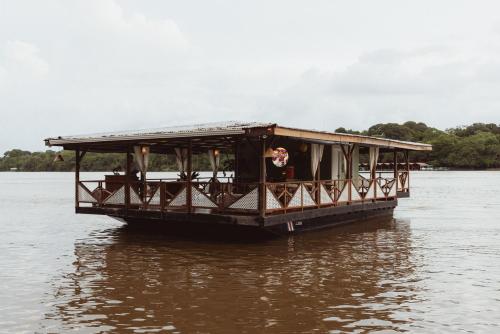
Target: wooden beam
x,y
350,139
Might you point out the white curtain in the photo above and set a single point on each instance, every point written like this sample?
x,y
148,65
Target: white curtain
x,y
343,167
373,159
141,155
214,162
181,155
337,159
355,165
316,155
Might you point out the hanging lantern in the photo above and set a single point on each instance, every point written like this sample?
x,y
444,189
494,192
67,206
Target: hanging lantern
x,y
145,150
269,153
58,158
216,152
303,147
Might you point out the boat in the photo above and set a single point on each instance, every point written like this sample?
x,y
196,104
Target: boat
x,y
282,180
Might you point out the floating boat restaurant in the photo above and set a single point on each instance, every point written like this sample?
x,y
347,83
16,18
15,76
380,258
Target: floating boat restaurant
x,y
282,179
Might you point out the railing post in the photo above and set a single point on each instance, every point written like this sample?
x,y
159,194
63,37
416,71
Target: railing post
x,y
162,196
262,181
77,176
396,176
407,157
189,172
127,180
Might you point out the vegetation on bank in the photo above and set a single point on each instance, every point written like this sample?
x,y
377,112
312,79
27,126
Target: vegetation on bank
x,y
476,146
44,161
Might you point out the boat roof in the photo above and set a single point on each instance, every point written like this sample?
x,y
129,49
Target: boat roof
x,y
210,132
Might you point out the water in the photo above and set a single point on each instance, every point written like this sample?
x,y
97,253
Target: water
x,y
435,268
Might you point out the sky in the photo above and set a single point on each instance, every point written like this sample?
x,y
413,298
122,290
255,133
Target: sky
x,y
87,66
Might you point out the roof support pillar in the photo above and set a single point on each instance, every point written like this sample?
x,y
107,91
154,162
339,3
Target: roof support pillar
x,y
395,162
77,176
189,172
262,176
78,159
127,179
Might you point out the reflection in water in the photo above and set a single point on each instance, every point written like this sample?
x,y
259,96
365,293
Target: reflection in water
x,y
352,278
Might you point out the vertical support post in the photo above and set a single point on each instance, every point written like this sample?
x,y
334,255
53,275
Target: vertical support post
x,y
395,161
262,176
407,158
348,173
77,176
144,189
318,185
127,180
236,159
373,168
162,196
189,172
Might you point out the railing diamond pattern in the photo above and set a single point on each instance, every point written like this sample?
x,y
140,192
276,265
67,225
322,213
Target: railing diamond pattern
x,y
271,201
249,201
180,199
344,194
155,199
380,190
370,194
134,197
296,200
325,197
307,198
84,195
200,199
118,197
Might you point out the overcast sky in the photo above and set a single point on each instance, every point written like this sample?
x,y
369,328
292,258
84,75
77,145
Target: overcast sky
x,y
73,67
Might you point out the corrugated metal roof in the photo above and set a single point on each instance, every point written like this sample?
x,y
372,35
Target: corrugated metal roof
x,y
230,128
193,130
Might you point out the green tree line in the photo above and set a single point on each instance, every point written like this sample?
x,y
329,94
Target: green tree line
x,y
44,161
475,146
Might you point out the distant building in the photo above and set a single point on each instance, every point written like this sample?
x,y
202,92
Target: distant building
x,y
14,169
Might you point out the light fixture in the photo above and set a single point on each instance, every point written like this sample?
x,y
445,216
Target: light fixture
x,y
303,147
145,150
216,152
269,153
58,158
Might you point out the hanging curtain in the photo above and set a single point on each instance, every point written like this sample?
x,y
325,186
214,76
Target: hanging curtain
x,y
141,155
214,162
316,155
373,160
181,158
355,166
343,167
337,156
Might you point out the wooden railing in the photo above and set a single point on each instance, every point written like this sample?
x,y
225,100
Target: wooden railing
x,y
228,196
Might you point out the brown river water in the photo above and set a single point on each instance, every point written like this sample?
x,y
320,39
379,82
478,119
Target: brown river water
x,y
434,268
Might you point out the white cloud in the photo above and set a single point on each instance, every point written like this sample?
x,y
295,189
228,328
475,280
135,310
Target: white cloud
x,y
21,61
393,85
96,65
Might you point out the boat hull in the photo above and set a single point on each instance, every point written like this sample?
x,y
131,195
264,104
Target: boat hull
x,y
278,224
